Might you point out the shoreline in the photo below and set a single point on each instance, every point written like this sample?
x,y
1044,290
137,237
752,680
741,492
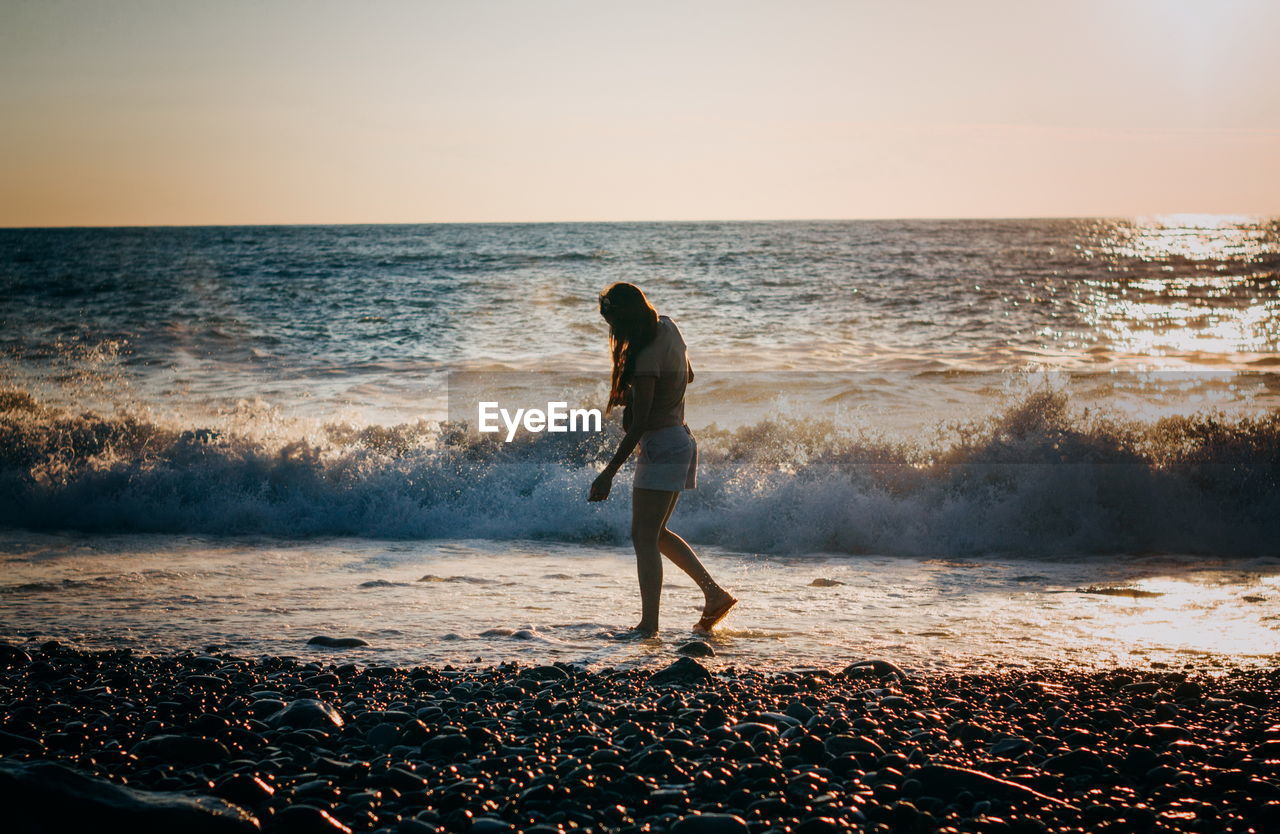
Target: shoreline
x,y
279,744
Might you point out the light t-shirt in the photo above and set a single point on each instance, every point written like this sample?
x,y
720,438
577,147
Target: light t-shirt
x,y
666,359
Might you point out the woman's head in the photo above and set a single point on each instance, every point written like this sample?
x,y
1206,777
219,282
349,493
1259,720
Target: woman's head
x,y
633,322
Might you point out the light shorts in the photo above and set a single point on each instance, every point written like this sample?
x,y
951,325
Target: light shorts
x,y
668,460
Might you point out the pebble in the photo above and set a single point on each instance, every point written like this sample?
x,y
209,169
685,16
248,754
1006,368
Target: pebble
x,y
696,648
1010,746
683,672
305,819
880,668
337,642
43,796
296,746
181,749
307,713
710,824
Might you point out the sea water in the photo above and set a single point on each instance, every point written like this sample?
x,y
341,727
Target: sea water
x,y
942,442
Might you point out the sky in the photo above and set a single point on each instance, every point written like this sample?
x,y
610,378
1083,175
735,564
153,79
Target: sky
x,y
133,112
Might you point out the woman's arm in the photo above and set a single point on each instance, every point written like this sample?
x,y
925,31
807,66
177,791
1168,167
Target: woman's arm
x,y
641,403
688,366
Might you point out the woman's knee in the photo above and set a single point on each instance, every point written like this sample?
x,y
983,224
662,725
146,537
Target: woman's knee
x,y
643,532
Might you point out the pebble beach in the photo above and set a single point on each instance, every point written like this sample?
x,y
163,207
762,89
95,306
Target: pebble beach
x,y
116,740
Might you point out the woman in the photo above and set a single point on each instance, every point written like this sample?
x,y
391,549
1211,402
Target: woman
x,y
650,371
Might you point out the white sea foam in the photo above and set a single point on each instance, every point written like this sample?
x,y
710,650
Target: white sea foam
x,y
1037,478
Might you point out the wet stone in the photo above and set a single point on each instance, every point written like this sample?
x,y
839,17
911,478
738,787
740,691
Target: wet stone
x,y
45,796
685,671
434,750
710,824
181,749
383,736
696,648
305,819
307,713
336,642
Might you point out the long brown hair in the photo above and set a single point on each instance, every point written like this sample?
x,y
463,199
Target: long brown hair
x,y
633,322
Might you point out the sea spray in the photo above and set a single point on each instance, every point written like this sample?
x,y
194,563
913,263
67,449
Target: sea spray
x,y
1035,478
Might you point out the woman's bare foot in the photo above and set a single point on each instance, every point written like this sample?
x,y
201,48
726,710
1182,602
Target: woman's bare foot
x,y
716,609
644,630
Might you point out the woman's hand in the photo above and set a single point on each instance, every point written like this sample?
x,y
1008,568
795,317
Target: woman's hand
x,y
600,487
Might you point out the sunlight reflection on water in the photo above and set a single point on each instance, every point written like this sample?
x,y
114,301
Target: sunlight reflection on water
x,y
538,603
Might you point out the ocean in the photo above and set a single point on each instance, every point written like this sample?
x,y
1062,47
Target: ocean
x,y
946,443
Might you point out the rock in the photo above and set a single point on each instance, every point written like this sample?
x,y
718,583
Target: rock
x,y
414,732
176,749
685,671
13,656
799,711
1252,698
447,744
303,819
1188,689
560,748
265,707
840,744
245,790
696,648
47,797
1141,687
823,582
1076,761
947,781
307,713
880,668
545,673
750,729
1169,732
966,731
10,742
1010,746
383,736
710,824
490,825
778,720
408,825
336,642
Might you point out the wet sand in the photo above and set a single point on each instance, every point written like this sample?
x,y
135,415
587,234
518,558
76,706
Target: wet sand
x,y
288,745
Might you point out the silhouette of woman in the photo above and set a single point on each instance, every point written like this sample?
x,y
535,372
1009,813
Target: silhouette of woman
x,y
650,371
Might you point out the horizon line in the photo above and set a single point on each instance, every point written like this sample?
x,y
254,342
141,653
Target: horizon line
x,y
106,226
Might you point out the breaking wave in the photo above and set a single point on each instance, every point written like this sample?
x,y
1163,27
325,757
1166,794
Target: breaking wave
x,y
1038,478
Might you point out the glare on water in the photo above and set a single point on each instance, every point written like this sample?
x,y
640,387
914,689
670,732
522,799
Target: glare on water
x,y
468,602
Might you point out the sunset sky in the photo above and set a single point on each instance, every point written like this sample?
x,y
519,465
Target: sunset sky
x,y
299,111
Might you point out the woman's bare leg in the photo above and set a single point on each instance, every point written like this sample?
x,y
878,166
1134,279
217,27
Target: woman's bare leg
x,y
649,509
682,556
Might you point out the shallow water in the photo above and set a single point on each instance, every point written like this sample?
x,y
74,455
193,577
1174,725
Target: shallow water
x,y
472,602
